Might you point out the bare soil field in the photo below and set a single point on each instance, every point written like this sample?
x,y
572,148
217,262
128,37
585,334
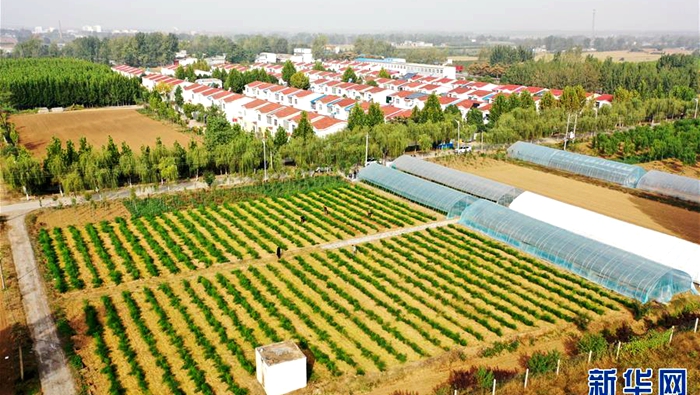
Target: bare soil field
x,y
36,130
673,166
650,214
624,56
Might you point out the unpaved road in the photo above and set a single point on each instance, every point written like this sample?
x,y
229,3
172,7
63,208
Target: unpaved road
x,y
384,235
53,371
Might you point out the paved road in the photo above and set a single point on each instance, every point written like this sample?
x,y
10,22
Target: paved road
x,y
53,371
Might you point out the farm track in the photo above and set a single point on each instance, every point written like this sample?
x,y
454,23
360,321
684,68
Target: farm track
x,y
53,371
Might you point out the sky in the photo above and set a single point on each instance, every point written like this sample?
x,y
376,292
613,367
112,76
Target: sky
x,y
358,16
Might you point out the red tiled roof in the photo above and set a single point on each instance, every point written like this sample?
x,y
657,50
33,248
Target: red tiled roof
x,y
193,86
234,97
290,90
486,107
605,98
400,114
468,104
201,89
325,123
534,89
430,87
403,94
309,114
556,92
344,102
390,110
209,91
221,95
303,93
277,88
444,100
481,93
255,104
329,98
286,112
254,84
270,108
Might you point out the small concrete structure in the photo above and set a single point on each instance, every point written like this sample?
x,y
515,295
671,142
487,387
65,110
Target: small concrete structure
x,y
280,367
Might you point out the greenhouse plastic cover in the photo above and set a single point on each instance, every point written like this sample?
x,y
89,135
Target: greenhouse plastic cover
x,y
602,169
621,271
656,246
680,187
416,189
474,185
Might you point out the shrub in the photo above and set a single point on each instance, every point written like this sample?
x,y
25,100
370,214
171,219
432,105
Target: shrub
x,y
541,362
592,342
462,379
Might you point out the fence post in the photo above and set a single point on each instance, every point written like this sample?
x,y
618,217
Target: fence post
x,y
558,364
696,325
617,354
493,391
671,337
527,373
590,355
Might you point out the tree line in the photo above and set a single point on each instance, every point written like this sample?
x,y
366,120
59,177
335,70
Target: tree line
x,y
648,79
35,83
679,140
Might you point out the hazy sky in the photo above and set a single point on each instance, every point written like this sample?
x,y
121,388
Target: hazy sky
x,y
357,15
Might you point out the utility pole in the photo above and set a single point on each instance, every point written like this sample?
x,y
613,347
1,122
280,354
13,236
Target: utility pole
x,y
265,159
458,135
366,148
696,109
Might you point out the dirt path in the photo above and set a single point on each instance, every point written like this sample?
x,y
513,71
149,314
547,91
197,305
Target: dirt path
x,y
384,235
54,373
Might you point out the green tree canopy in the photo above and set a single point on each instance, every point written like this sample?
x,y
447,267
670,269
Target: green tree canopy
x,y
288,71
300,80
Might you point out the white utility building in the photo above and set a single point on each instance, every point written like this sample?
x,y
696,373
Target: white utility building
x,y
280,367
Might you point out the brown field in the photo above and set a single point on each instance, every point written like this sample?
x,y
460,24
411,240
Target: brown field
x,y
673,166
36,130
464,58
650,214
623,56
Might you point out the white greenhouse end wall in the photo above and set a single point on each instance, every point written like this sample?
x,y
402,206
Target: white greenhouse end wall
x,y
659,247
280,368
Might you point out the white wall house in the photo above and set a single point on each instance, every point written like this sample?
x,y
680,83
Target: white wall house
x,y
280,368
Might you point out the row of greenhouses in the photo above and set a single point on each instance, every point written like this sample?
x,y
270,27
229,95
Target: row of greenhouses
x,y
630,176
508,215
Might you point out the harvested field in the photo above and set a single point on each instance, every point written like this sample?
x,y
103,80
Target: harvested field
x,y
623,56
651,214
124,125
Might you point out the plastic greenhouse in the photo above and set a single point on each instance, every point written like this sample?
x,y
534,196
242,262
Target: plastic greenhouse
x,y
602,169
610,267
423,192
474,185
671,185
659,247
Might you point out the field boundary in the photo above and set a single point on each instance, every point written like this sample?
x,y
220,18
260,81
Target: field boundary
x,y
384,235
55,376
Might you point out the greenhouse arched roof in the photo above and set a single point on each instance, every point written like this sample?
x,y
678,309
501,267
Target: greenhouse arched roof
x,y
469,183
615,269
416,189
680,187
599,168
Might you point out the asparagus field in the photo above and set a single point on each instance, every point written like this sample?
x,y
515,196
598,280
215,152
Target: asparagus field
x,y
352,311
